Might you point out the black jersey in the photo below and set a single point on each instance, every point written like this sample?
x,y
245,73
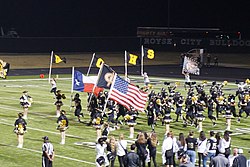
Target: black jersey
x,y
212,144
191,143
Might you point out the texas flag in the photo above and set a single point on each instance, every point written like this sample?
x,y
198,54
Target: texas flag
x,y
85,83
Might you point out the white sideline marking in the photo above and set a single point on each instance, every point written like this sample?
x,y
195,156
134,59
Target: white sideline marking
x,y
38,79
59,156
36,129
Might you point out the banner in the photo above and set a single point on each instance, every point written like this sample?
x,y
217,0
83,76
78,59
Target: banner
x,y
4,69
190,66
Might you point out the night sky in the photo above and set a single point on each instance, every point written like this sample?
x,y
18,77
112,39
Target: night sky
x,y
82,18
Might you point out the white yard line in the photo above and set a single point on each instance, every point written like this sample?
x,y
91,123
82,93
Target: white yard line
x,y
59,156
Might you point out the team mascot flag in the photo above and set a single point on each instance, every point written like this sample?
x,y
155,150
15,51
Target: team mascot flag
x,y
190,66
4,69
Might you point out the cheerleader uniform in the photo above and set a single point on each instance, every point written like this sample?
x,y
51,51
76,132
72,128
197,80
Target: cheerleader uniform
x,y
199,114
228,113
98,119
25,100
59,98
20,129
62,126
167,111
130,117
53,86
20,126
62,122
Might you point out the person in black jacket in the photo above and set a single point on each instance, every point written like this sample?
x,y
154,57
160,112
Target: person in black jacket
x,y
240,160
141,144
78,107
152,144
132,159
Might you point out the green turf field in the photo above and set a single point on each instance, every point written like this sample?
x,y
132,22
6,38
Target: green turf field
x,y
79,149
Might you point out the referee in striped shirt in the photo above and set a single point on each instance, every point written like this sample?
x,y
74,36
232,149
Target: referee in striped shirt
x,y
48,153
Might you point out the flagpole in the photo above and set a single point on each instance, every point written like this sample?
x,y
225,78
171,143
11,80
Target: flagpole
x,y
142,56
126,66
50,66
98,77
90,65
111,87
72,86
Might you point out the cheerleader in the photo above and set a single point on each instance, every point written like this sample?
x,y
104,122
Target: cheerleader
x,y
220,104
228,115
167,107
199,115
25,101
98,121
59,102
62,125
130,118
78,107
53,86
105,131
20,129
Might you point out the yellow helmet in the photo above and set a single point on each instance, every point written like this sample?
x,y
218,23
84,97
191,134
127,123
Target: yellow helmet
x,y
247,81
98,121
158,101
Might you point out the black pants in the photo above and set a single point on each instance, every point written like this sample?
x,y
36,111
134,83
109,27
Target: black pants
x,y
46,162
121,161
154,161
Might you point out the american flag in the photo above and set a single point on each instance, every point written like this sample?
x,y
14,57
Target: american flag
x,y
127,94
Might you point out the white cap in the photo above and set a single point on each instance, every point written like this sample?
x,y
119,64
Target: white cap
x,y
240,151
